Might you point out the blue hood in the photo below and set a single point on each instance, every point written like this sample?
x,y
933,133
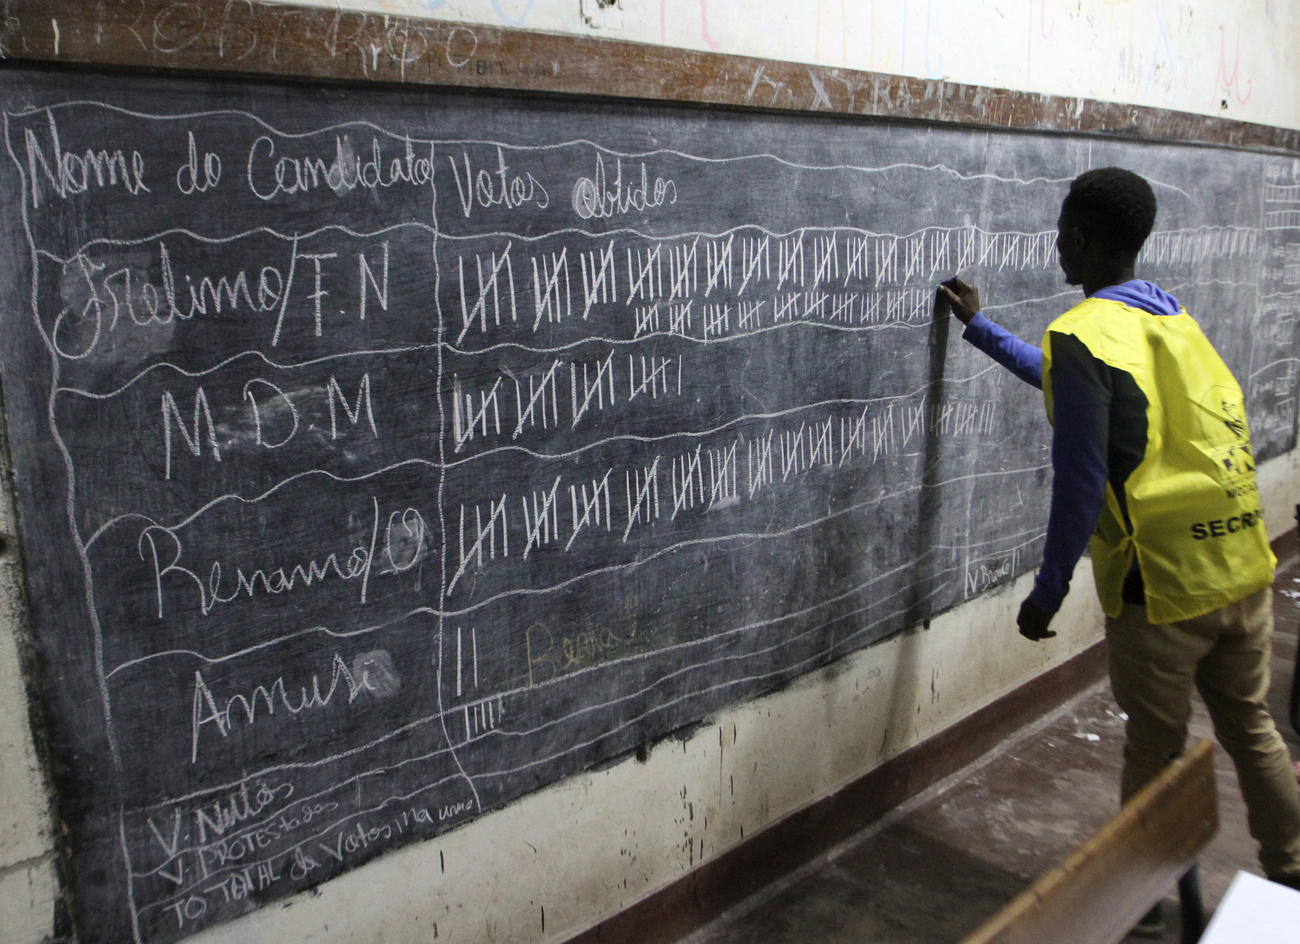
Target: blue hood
x,y
1142,294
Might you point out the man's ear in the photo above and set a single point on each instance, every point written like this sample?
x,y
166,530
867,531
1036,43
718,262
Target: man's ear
x,y
1073,240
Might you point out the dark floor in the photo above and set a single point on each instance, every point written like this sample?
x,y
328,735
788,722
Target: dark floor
x,y
933,870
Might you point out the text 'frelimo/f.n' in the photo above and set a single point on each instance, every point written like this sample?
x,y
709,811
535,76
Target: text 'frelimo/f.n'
x,y
102,293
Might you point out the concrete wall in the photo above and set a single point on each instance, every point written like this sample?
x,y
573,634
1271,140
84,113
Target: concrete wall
x,y
1214,57
560,860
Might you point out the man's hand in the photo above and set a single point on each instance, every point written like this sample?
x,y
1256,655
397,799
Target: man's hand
x,y
1033,622
961,298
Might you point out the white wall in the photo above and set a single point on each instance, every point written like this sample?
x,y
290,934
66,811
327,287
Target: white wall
x,y
593,844
1233,58
27,880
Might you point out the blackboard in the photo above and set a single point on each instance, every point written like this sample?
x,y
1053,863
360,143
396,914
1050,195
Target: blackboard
x,y
383,455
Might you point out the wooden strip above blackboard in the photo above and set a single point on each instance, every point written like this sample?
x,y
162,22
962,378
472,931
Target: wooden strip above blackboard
x,y
320,43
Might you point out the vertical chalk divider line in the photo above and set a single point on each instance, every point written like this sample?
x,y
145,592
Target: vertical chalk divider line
x,y
442,485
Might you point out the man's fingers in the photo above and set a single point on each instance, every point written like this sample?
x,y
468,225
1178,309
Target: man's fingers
x,y
953,296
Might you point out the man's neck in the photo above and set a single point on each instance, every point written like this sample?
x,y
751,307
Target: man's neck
x,y
1094,283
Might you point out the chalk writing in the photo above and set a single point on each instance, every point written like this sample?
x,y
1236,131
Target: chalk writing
x,y
226,711
598,197
52,170
270,174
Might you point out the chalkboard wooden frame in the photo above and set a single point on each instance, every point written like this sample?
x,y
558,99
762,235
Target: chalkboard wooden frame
x,y
243,36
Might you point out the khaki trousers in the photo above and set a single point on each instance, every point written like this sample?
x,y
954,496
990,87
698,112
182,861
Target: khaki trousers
x,y
1225,655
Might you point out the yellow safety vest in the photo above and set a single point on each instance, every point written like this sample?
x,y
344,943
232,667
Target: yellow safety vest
x,y
1197,528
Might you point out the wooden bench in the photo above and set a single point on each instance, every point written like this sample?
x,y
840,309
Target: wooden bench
x,y
1100,892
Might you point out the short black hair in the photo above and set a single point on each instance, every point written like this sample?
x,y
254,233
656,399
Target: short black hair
x,y
1113,205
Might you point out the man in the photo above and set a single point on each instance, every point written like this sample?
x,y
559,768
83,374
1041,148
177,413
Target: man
x,y
1151,458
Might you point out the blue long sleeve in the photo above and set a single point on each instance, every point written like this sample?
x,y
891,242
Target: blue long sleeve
x,y
1020,357
1080,443
1081,394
